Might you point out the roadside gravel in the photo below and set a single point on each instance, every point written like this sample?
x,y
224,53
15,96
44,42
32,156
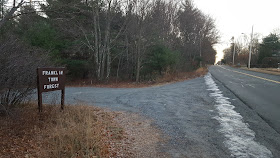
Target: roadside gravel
x,y
184,112
141,137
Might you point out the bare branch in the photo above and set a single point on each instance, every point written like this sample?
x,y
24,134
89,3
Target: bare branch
x,y
10,13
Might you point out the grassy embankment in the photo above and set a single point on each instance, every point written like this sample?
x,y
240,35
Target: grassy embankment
x,y
78,131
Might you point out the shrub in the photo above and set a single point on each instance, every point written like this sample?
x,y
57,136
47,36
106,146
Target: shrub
x,y
76,68
18,64
269,62
159,59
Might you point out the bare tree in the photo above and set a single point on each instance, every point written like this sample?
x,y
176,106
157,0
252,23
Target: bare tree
x,y
137,31
104,38
10,13
2,8
198,31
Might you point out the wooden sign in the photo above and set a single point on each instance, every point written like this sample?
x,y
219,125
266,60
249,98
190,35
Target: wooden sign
x,y
50,79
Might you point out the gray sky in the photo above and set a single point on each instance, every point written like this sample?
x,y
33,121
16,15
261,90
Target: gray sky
x,y
234,17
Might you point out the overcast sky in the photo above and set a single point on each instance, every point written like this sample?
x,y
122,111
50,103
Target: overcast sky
x,y
234,17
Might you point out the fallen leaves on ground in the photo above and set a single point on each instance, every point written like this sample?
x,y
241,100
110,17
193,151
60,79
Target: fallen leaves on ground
x,y
164,79
78,131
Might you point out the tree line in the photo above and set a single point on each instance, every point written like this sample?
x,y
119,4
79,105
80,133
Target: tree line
x,y
265,52
103,39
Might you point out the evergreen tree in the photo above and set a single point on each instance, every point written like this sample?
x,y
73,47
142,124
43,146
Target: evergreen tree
x,y
269,46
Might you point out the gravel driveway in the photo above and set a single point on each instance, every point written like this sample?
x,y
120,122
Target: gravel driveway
x,y
186,113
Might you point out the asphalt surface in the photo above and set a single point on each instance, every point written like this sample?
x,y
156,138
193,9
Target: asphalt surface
x,y
259,91
197,119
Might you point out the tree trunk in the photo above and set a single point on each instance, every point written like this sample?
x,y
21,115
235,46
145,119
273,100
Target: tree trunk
x,y
107,41
138,69
103,60
138,66
96,53
10,13
107,47
108,63
127,54
120,60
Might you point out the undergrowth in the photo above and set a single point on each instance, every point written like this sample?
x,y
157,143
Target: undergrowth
x,y
78,131
160,80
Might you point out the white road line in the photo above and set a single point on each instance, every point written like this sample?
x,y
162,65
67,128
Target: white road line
x,y
239,138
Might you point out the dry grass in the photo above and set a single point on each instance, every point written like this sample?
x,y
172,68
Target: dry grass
x,y
79,131
181,76
273,71
165,79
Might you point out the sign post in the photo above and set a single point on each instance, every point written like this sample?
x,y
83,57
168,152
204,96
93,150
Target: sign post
x,y
50,79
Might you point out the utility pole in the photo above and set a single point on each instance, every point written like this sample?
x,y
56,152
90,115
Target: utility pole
x,y
250,53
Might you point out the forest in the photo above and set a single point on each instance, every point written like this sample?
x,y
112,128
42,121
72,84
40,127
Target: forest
x,y
101,40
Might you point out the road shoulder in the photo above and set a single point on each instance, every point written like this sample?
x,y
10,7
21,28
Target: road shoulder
x,y
263,70
264,133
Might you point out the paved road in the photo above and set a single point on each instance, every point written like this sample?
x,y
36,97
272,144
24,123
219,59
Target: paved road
x,y
200,117
259,91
